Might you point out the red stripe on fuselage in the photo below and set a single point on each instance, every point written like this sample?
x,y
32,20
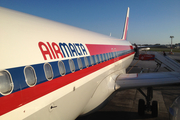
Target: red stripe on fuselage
x,y
17,99
95,49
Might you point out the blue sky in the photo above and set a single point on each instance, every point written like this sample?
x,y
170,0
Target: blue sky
x,y
150,21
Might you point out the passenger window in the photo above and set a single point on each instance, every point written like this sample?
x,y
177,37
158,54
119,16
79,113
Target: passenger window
x,y
96,60
111,55
107,56
115,54
62,69
71,64
100,58
6,83
92,61
79,63
103,57
30,76
48,71
86,62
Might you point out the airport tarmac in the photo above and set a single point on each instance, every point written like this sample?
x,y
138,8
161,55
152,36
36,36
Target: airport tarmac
x,y
124,105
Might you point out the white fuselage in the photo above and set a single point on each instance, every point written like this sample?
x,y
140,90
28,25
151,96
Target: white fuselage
x,y
29,41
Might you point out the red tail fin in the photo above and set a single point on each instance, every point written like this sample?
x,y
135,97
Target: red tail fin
x,y
124,36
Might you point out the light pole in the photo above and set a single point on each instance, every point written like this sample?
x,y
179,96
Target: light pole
x,y
171,42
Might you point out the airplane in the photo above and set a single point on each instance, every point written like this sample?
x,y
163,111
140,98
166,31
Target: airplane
x,y
143,48
51,71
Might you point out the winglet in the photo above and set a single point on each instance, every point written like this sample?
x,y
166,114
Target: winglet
x,y
124,36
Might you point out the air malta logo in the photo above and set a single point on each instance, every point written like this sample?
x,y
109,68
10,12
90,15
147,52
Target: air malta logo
x,y
61,50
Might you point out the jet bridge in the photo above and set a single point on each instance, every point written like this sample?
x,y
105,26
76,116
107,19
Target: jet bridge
x,y
169,63
150,79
